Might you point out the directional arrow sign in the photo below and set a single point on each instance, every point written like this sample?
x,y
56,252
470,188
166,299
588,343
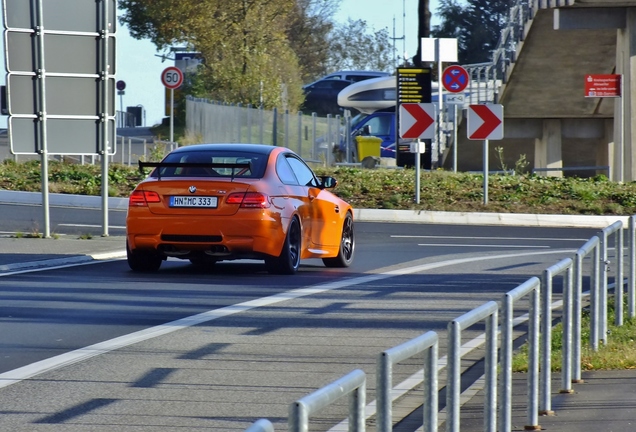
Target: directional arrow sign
x,y
485,122
417,120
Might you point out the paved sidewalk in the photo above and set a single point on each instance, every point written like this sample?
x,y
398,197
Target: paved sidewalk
x,y
25,253
604,402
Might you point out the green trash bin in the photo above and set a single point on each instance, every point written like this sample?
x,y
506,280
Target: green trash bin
x,y
368,146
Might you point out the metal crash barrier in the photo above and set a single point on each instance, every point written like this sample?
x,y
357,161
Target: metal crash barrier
x,y
590,259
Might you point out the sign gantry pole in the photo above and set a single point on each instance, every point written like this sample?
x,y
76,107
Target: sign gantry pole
x,y
105,122
40,74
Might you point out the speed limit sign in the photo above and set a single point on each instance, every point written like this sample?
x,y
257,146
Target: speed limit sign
x,y
172,77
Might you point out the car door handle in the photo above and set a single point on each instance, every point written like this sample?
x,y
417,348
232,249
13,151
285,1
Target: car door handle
x,y
337,209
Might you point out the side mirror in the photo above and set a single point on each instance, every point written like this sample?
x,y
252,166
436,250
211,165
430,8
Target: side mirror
x,y
328,182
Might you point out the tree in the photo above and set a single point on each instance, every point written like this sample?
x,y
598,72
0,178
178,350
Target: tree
x,y
423,28
477,26
246,54
353,47
308,34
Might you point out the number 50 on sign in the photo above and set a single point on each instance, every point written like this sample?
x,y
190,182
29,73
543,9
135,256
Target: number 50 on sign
x,y
172,77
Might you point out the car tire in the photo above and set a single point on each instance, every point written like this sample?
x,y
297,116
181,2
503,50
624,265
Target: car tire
x,y
143,261
289,259
347,246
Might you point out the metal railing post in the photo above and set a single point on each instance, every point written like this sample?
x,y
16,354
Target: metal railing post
x,y
488,312
261,425
631,285
565,265
602,300
619,284
250,109
354,383
314,136
532,287
427,343
594,297
545,407
591,246
566,344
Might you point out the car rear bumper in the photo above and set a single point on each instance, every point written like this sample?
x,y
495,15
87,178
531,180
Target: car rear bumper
x,y
230,236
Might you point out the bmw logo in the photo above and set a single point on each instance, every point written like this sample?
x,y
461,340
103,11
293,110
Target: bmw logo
x,y
192,189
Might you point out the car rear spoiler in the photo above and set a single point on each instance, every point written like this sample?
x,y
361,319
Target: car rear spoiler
x,y
233,166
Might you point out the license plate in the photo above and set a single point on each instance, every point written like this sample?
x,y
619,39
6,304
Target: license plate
x,y
193,201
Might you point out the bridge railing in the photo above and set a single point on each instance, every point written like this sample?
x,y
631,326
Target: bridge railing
x,y
487,78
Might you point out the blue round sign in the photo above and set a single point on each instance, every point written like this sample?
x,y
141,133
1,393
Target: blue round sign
x,y
455,79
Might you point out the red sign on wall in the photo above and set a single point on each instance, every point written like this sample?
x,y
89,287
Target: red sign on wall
x,y
606,85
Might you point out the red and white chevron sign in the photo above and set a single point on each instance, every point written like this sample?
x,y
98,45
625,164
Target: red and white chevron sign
x,y
417,120
485,122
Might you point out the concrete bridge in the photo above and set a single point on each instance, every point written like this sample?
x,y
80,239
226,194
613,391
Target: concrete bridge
x,y
540,65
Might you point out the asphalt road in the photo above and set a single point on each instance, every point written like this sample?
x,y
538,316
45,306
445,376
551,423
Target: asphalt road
x,y
260,341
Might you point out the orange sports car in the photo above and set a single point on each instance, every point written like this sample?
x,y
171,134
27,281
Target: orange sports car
x,y
214,202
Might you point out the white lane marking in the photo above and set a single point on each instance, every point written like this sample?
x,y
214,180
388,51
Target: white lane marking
x,y
487,238
482,245
81,354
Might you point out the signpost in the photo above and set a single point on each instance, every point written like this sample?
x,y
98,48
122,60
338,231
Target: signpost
x,y
417,121
413,86
121,86
439,50
172,78
485,122
606,85
61,66
455,79
609,85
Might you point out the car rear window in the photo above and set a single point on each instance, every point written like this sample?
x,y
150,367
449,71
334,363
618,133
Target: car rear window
x,y
213,164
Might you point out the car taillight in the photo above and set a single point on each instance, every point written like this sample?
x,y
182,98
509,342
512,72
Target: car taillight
x,y
141,198
248,199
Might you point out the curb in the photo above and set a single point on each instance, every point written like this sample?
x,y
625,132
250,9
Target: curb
x,y
363,215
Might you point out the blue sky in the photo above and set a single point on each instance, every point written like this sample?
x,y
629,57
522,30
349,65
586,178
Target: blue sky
x,y
140,68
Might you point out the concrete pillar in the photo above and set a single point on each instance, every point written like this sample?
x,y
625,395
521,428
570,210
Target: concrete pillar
x,y
624,107
605,153
547,149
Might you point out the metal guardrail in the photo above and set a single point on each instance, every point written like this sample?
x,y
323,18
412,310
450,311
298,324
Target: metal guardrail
x,y
617,229
581,168
354,384
427,343
262,425
488,313
539,315
563,266
532,288
487,78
